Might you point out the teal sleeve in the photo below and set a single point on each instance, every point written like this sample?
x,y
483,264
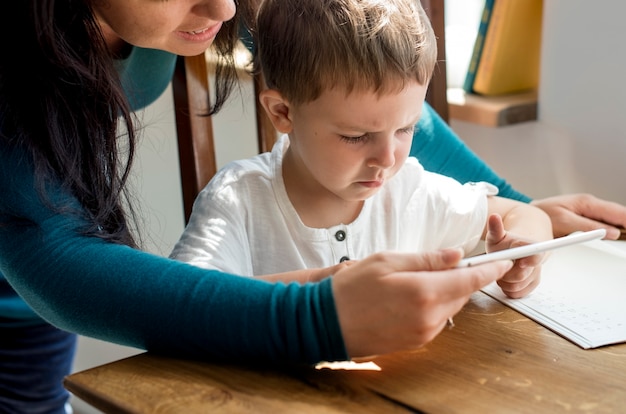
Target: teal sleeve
x,y
145,75
119,294
439,149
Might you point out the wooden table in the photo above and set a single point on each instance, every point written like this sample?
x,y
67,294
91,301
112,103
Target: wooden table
x,y
493,360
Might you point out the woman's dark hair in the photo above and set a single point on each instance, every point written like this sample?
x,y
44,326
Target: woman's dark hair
x,y
61,100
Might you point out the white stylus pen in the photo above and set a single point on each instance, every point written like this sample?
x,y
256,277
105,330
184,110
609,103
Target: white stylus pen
x,y
533,248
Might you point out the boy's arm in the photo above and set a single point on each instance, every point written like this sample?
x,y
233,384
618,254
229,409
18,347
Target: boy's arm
x,y
306,275
521,221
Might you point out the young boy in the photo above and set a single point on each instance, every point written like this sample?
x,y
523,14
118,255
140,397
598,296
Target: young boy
x,y
346,81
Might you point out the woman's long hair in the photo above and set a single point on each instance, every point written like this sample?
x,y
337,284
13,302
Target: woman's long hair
x,y
61,99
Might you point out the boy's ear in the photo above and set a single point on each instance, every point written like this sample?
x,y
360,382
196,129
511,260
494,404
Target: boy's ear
x,y
277,109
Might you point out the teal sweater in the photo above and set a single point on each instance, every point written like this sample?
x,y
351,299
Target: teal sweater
x,y
122,295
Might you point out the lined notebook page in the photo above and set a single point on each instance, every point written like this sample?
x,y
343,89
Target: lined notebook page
x,y
582,294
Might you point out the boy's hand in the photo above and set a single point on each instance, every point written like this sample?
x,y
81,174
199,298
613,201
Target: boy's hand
x,y
525,275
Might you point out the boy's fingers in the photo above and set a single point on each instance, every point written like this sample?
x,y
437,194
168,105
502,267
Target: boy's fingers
x,y
465,281
496,231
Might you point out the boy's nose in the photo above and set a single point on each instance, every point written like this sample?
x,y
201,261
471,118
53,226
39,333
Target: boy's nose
x,y
383,155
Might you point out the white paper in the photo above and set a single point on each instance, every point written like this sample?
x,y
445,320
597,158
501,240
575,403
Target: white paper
x,y
582,294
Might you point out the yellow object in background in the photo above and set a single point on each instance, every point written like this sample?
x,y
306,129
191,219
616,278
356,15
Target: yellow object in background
x,y
510,58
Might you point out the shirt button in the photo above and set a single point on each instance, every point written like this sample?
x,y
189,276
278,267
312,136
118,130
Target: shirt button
x,y
343,259
340,235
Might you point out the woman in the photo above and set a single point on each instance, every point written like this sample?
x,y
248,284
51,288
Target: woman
x,y
73,69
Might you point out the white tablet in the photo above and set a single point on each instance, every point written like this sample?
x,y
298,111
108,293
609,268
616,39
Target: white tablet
x,y
534,248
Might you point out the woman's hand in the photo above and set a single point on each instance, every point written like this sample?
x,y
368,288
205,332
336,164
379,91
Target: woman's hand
x,y
396,301
583,212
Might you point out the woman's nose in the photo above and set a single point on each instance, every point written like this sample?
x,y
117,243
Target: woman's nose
x,y
216,10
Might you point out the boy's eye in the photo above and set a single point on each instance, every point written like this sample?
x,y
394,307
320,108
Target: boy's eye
x,y
354,140
409,130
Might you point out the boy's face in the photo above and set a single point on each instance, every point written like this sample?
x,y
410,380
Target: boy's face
x,y
348,146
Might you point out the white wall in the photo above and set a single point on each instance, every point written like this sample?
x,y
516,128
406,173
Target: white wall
x,y
583,94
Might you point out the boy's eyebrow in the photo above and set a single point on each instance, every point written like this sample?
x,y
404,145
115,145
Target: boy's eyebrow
x,y
353,127
415,121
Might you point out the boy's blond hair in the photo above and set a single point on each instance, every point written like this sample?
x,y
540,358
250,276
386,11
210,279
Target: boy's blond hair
x,y
308,46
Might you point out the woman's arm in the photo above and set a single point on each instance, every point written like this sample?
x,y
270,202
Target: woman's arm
x,y
115,293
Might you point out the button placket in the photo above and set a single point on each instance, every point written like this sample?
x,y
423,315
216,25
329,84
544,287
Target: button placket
x,y
340,236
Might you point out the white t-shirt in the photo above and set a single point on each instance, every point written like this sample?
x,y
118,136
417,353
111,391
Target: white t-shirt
x,y
243,222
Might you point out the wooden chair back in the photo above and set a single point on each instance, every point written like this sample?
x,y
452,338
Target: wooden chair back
x,y
196,140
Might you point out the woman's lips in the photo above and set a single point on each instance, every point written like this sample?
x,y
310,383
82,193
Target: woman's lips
x,y
201,35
